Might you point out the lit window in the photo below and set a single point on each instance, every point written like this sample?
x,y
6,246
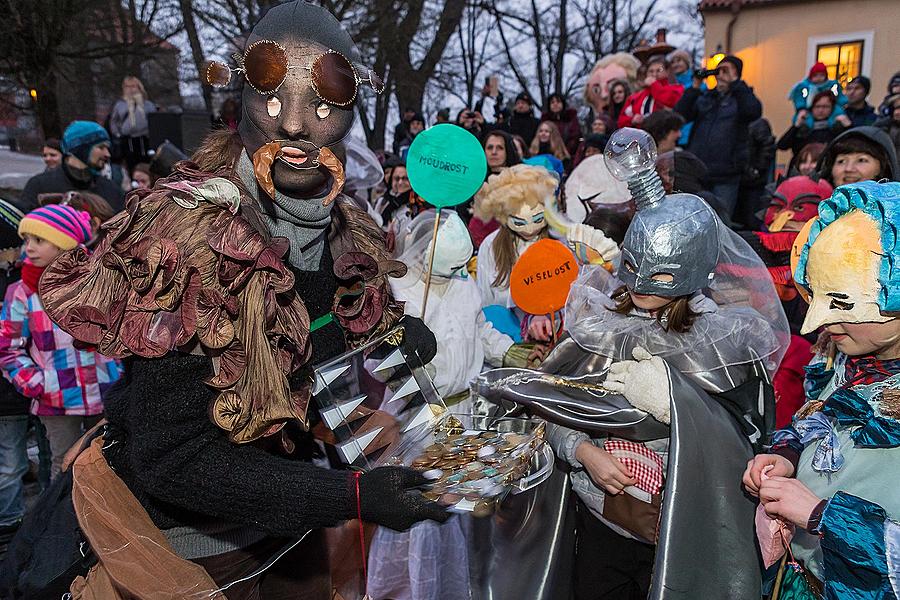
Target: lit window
x,y
844,60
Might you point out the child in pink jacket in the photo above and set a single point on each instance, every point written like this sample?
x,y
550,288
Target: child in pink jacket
x,y
66,385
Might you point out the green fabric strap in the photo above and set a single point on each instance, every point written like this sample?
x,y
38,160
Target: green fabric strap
x,y
321,322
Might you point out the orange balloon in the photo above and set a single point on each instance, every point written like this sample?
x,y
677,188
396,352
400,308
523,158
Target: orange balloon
x,y
540,280
796,249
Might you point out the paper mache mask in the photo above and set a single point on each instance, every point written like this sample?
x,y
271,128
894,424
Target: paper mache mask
x,y
849,262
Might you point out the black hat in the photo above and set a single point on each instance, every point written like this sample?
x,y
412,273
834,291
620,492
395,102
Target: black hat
x,y
863,81
738,64
524,96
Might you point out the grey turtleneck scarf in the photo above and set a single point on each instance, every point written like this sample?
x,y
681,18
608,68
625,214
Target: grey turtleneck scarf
x,y
303,221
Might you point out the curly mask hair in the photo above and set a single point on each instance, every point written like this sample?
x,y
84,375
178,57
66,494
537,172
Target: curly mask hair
x,y
505,194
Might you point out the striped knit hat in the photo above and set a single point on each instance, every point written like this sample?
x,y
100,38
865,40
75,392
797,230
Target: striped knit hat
x,y
59,224
10,217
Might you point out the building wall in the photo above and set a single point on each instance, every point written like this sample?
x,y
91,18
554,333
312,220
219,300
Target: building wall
x,y
773,42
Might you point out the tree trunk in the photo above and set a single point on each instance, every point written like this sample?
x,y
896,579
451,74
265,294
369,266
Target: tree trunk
x,y
47,106
187,14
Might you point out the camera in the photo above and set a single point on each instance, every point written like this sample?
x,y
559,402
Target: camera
x,y
704,73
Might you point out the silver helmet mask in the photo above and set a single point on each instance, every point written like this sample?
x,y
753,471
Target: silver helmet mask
x,y
671,248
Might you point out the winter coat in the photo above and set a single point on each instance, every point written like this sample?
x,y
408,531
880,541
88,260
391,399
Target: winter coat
x,y
795,138
523,124
721,127
121,124
761,153
40,359
63,179
861,116
803,93
569,128
658,95
892,128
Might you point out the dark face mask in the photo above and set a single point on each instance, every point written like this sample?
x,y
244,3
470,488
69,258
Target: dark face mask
x,y
299,120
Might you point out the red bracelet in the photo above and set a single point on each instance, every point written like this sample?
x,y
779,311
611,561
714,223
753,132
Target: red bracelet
x,y
362,531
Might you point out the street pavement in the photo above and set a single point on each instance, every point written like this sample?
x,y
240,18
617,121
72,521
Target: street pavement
x,y
16,169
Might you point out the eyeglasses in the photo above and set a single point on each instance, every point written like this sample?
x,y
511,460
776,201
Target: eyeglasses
x,y
265,65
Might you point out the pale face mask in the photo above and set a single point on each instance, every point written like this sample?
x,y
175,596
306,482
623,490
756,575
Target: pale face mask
x,y
528,222
842,271
454,248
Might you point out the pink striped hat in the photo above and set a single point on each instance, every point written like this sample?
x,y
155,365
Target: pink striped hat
x,y
59,224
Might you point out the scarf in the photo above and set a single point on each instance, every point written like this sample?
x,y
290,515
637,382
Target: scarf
x,y
303,221
135,105
31,275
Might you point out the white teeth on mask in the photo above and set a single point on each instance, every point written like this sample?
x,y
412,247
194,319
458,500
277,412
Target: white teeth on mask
x,y
273,106
323,110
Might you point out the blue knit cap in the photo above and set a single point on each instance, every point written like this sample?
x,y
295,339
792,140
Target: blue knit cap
x,y
80,138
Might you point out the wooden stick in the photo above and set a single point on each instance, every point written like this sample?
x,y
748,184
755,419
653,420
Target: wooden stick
x,y
553,326
437,223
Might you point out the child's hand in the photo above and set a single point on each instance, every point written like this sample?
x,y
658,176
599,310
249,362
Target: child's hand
x,y
788,500
606,471
781,467
540,329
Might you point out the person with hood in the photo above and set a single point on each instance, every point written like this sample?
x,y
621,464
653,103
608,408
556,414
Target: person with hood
x,y
722,118
893,88
857,109
565,119
224,287
804,92
658,94
891,124
820,124
859,154
522,122
85,146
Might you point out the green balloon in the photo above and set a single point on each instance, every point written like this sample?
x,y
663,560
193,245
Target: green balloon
x,y
446,165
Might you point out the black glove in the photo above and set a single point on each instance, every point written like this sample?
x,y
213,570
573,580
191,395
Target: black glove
x,y
418,339
387,498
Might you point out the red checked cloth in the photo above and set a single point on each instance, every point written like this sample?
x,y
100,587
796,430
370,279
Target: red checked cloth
x,y
644,463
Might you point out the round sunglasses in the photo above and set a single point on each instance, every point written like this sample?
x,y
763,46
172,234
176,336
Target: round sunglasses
x,y
265,66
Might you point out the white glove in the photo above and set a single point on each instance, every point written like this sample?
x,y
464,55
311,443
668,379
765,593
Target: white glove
x,y
644,382
594,238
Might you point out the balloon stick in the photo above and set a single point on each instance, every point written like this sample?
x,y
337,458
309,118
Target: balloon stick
x,y
437,223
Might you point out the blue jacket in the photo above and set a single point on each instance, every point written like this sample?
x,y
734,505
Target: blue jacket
x,y
721,123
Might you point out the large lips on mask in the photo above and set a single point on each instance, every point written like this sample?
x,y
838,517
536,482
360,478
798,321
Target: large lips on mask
x,y
298,154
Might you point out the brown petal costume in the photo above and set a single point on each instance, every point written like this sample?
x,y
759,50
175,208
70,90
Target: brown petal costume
x,y
177,275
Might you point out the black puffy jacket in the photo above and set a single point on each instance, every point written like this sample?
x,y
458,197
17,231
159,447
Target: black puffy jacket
x,y
720,131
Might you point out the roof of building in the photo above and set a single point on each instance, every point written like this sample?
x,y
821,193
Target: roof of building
x,y
724,4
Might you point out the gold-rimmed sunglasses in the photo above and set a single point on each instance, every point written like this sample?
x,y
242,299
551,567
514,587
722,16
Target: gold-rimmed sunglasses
x,y
265,65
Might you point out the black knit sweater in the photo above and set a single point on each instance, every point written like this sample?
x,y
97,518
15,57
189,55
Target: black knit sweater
x,y
184,470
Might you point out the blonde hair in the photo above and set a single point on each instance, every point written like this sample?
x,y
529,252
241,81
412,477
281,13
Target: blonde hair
x,y
506,192
557,145
135,80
